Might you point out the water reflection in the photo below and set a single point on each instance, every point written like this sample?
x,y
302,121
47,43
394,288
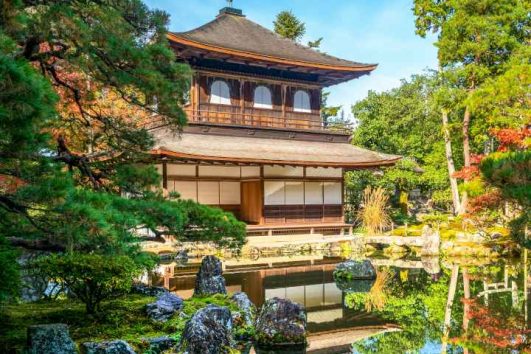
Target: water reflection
x,y
421,306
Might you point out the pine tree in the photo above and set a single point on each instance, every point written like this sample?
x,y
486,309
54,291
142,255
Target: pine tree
x,y
78,82
287,25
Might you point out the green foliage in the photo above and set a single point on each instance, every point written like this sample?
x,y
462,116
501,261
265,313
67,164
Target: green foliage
x,y
404,122
509,172
79,80
287,25
124,318
92,278
9,273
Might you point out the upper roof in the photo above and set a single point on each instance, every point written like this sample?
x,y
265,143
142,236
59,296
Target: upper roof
x,y
218,148
233,34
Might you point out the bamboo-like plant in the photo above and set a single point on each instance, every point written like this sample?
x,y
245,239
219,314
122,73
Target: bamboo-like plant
x,y
373,213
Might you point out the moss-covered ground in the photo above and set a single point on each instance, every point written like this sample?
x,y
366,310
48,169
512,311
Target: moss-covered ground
x,y
122,318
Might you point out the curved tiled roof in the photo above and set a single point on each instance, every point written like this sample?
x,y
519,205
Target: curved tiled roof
x,y
266,151
240,35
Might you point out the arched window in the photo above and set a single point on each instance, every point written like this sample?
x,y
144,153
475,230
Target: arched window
x,y
220,92
301,102
262,98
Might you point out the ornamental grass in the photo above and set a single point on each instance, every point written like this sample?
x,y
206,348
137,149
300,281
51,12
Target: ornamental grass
x,y
374,213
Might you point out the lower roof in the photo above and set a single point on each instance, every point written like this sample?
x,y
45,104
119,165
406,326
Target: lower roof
x,y
249,150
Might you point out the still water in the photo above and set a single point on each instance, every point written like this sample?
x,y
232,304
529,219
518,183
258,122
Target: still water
x,y
415,305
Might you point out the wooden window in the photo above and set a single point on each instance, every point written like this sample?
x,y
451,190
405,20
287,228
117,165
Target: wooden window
x,y
229,193
333,193
301,102
220,92
313,193
274,193
187,189
294,193
208,193
262,98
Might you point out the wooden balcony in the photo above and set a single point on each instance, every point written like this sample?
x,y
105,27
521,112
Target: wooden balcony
x,y
254,117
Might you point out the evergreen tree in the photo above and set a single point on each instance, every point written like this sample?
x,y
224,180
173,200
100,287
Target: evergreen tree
x,y
78,83
287,25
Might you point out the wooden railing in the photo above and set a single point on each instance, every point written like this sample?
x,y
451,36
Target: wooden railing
x,y
254,117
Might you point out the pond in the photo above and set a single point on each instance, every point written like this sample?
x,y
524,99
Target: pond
x,y
427,305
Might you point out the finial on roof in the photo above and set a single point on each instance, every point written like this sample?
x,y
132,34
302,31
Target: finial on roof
x,y
230,10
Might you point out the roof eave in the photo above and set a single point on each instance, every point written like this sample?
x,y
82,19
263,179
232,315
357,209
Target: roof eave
x,y
163,152
366,68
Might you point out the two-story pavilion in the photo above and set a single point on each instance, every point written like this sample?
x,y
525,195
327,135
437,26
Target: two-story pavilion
x,y
255,143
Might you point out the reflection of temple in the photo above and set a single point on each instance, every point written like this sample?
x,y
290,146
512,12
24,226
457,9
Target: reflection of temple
x,y
308,281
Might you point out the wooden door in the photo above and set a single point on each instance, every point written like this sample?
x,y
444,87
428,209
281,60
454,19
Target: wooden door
x,y
252,200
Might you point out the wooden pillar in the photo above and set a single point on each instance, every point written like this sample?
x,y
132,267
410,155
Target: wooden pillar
x,y
242,101
283,97
164,175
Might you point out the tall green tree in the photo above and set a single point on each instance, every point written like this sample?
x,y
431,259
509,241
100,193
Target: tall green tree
x,y
475,40
78,83
402,121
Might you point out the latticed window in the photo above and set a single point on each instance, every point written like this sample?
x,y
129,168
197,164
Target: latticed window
x,y
301,102
220,92
262,98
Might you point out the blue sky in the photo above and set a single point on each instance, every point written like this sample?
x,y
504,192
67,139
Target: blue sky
x,y
369,31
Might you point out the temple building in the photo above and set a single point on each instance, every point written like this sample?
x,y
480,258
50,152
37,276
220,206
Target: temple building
x,y
255,143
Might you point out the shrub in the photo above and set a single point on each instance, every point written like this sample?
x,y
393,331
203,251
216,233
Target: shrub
x,y
91,277
373,213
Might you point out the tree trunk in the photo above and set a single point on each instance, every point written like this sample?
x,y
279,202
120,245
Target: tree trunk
x,y
466,154
450,162
403,202
448,311
466,137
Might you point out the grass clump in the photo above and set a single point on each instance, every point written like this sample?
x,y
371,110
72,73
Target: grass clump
x,y
374,213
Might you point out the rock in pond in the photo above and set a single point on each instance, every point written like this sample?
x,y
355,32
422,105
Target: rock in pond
x,y
208,331
166,305
281,323
209,280
181,257
147,290
50,339
353,270
247,309
111,347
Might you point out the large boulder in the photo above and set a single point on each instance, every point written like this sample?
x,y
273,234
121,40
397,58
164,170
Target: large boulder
x,y
111,347
355,270
50,339
163,309
247,310
281,323
209,279
208,331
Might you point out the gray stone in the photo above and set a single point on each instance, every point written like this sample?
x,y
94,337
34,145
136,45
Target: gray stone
x,y
111,347
50,339
208,331
247,309
353,270
209,279
143,289
160,344
163,309
281,323
181,257
431,241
